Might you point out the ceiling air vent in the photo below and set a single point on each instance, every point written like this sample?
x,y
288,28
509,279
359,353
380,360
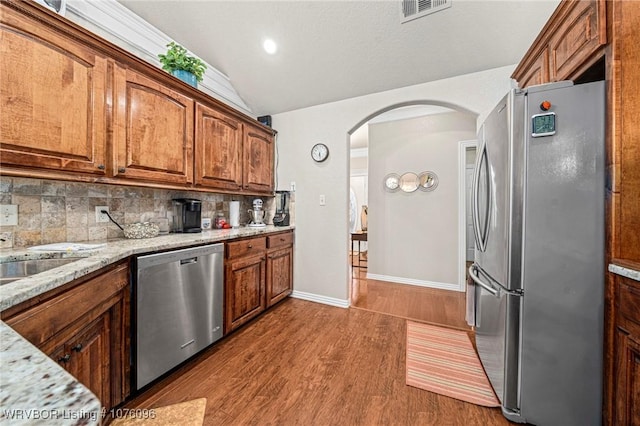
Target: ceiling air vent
x,y
412,9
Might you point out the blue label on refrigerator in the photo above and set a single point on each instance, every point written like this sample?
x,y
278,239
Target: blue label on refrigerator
x,y
543,124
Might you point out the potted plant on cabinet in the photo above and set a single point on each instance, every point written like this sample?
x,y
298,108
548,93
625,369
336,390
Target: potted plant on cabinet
x,y
178,63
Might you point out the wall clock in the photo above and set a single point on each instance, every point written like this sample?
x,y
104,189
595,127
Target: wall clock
x,y
319,152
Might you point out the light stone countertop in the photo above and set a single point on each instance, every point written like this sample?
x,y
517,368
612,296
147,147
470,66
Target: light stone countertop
x,y
34,385
625,272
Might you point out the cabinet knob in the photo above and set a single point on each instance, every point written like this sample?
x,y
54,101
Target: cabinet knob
x,y
77,347
64,359
121,170
101,167
250,246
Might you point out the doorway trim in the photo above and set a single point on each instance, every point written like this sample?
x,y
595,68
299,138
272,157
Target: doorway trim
x,y
463,146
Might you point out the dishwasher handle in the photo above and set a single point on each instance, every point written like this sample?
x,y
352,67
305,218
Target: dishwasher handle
x,y
189,261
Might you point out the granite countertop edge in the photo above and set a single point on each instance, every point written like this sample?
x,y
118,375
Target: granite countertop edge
x,y
92,260
624,271
33,388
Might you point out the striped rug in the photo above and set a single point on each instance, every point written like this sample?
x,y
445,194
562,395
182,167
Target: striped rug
x,y
443,361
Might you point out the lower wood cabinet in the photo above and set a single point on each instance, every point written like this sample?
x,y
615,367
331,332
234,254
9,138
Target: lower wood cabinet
x,y
244,287
258,274
279,267
84,326
627,354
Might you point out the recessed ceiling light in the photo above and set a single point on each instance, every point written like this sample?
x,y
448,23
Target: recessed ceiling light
x,y
270,46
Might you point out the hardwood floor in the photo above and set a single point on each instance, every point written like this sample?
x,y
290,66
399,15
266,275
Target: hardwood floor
x,y
304,363
440,307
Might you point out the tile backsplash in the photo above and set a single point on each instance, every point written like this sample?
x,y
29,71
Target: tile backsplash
x,y
55,211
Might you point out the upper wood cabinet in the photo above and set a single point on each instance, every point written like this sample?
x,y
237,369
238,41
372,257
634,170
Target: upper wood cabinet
x,y
218,150
153,131
258,160
570,42
53,95
76,107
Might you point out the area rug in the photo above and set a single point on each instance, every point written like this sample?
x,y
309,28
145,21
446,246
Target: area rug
x,y
444,361
189,413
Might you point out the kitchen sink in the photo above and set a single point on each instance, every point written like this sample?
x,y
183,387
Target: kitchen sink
x,y
16,270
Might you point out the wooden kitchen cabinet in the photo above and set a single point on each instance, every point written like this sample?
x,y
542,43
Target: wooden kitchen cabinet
x,y
84,326
218,150
279,267
258,168
258,274
53,96
244,281
86,357
153,130
76,107
627,365
571,42
231,155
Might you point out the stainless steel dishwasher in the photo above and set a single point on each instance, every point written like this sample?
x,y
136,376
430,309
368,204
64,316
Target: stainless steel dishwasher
x,y
178,308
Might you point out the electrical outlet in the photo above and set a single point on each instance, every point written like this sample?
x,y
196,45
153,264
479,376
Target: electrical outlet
x,y
101,217
323,200
293,187
8,215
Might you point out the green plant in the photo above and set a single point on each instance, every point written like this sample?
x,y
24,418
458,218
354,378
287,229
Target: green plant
x,y
177,58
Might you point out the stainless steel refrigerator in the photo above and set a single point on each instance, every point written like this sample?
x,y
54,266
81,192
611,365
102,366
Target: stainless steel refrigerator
x,y
538,215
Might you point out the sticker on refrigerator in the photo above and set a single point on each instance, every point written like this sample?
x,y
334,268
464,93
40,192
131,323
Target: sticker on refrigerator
x,y
543,124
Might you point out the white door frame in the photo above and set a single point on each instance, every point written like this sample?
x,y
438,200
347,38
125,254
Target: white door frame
x,y
462,220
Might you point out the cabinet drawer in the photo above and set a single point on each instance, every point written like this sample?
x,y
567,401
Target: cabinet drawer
x,y
246,247
280,240
45,320
629,299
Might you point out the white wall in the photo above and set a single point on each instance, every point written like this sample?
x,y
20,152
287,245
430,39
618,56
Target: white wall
x,y
413,237
322,236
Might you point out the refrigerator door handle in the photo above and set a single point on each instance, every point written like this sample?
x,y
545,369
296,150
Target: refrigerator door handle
x,y
474,201
477,280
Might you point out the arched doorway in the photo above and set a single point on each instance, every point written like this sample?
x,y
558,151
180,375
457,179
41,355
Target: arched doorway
x,y
412,237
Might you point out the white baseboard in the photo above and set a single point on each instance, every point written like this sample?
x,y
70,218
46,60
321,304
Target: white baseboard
x,y
411,281
340,303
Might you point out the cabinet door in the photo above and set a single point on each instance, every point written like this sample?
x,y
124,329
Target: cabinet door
x,y
537,72
89,360
245,291
258,160
153,133
627,382
53,94
579,35
279,275
218,150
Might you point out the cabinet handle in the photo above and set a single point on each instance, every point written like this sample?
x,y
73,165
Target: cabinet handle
x,y
282,239
101,166
65,358
121,170
77,347
250,246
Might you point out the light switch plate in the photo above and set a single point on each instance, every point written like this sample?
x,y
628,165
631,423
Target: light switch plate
x,y
8,215
323,200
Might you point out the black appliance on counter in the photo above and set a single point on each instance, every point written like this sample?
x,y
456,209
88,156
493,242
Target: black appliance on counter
x,y
282,217
187,216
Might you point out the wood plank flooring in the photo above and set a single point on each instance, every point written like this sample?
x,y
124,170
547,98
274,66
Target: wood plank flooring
x,y
304,363
434,306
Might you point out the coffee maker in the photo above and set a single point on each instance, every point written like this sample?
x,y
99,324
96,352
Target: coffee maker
x,y
187,215
257,214
282,217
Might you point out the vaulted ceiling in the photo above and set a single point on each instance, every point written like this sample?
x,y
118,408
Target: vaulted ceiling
x,y
333,50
